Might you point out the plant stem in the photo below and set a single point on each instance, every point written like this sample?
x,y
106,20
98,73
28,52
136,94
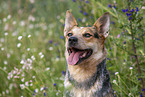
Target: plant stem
x,y
134,49
135,55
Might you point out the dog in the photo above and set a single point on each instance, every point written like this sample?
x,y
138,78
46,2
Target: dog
x,y
86,55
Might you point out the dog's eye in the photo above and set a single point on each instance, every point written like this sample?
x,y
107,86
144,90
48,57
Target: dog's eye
x,y
87,35
69,34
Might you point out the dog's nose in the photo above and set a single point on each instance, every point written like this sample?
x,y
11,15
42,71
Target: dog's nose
x,y
72,40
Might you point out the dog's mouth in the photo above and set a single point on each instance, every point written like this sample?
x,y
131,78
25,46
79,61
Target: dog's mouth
x,y
77,55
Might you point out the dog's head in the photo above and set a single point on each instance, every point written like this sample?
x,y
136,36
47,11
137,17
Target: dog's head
x,y
84,42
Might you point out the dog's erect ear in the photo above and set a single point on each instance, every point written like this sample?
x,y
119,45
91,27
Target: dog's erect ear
x,y
70,22
102,24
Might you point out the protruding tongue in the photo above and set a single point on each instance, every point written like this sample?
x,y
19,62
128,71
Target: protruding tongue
x,y
74,57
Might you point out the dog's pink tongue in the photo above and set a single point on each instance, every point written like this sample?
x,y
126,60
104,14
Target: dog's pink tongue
x,y
74,57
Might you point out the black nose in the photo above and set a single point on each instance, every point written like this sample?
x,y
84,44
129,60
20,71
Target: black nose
x,y
72,40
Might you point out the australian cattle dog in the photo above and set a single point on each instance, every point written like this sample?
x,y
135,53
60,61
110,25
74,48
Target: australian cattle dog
x,y
86,56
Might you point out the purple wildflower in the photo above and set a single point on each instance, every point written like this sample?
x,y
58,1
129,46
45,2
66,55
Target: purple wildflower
x,y
137,9
139,78
54,84
44,94
85,13
124,42
114,6
109,5
128,14
129,18
87,1
110,48
126,10
123,10
50,41
61,37
81,11
112,22
109,59
79,19
74,0
63,72
132,10
143,89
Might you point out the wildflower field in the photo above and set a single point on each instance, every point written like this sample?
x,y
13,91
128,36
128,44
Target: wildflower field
x,y
32,61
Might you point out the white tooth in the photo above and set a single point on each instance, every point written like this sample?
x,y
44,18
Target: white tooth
x,y
84,54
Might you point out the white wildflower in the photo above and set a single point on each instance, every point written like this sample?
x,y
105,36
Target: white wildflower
x,y
20,37
3,92
143,7
47,68
32,57
6,33
41,88
129,94
6,27
114,81
33,76
31,84
22,86
28,49
23,74
32,1
5,62
11,86
29,36
18,45
131,68
31,26
22,62
50,48
16,77
7,91
2,40
8,55
31,18
40,53
4,19
116,73
22,23
4,68
9,16
22,79
36,90
41,56
14,22
2,48
27,83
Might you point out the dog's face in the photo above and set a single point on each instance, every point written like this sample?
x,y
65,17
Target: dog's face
x,y
84,42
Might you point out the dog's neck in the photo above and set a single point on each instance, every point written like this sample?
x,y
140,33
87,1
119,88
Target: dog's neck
x,y
88,68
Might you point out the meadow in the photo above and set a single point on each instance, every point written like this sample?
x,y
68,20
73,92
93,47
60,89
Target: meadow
x,y
32,61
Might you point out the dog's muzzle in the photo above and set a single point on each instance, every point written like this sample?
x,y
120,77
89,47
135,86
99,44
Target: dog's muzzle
x,y
72,41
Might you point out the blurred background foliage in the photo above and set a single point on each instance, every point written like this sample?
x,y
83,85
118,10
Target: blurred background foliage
x,y
32,61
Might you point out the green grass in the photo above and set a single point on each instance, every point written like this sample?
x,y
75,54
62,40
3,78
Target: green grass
x,y
32,61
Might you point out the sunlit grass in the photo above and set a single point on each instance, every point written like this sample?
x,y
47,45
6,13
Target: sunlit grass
x,y
32,61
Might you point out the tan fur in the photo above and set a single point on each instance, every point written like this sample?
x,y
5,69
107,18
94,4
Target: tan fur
x,y
87,68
